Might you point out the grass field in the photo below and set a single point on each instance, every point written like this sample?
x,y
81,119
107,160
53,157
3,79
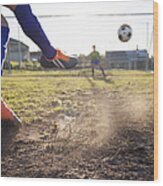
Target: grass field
x,y
28,91
74,126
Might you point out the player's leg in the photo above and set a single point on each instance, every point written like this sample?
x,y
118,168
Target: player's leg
x,y
102,70
32,28
6,113
4,39
93,69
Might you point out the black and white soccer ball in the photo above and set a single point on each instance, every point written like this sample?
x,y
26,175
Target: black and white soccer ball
x,y
125,33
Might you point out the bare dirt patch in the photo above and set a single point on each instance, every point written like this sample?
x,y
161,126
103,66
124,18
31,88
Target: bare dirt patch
x,y
101,135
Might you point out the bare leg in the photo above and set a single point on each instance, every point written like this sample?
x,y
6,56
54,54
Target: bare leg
x,y
93,71
11,7
103,73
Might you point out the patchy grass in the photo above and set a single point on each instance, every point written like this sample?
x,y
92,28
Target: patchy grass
x,y
79,127
28,92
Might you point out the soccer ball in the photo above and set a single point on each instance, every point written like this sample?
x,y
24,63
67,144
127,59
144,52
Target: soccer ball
x,y
125,33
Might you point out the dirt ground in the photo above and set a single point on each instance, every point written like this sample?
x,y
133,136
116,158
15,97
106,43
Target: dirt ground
x,y
102,135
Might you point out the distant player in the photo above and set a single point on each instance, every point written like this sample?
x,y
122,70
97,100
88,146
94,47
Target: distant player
x,y
95,57
51,57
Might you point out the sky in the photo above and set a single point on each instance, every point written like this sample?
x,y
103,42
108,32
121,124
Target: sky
x,y
75,27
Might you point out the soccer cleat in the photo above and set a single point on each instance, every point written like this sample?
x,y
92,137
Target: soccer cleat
x,y
60,61
8,115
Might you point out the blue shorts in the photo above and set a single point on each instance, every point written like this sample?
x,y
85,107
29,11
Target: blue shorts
x,y
95,62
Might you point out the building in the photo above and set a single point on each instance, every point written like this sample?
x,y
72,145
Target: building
x,y
35,56
131,59
17,51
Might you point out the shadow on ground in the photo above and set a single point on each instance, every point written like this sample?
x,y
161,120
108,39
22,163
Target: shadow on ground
x,y
8,133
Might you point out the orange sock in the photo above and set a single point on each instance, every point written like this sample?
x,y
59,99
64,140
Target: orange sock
x,y
6,113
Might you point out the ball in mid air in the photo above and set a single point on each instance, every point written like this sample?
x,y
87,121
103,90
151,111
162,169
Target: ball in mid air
x,y
125,33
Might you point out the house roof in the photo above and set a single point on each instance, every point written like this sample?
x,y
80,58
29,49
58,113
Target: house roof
x,y
15,41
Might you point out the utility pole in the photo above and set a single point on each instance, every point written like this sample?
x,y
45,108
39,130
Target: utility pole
x,y
147,35
147,47
151,42
8,59
19,49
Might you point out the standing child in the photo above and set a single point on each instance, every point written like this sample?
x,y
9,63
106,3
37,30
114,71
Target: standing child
x,y
95,57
